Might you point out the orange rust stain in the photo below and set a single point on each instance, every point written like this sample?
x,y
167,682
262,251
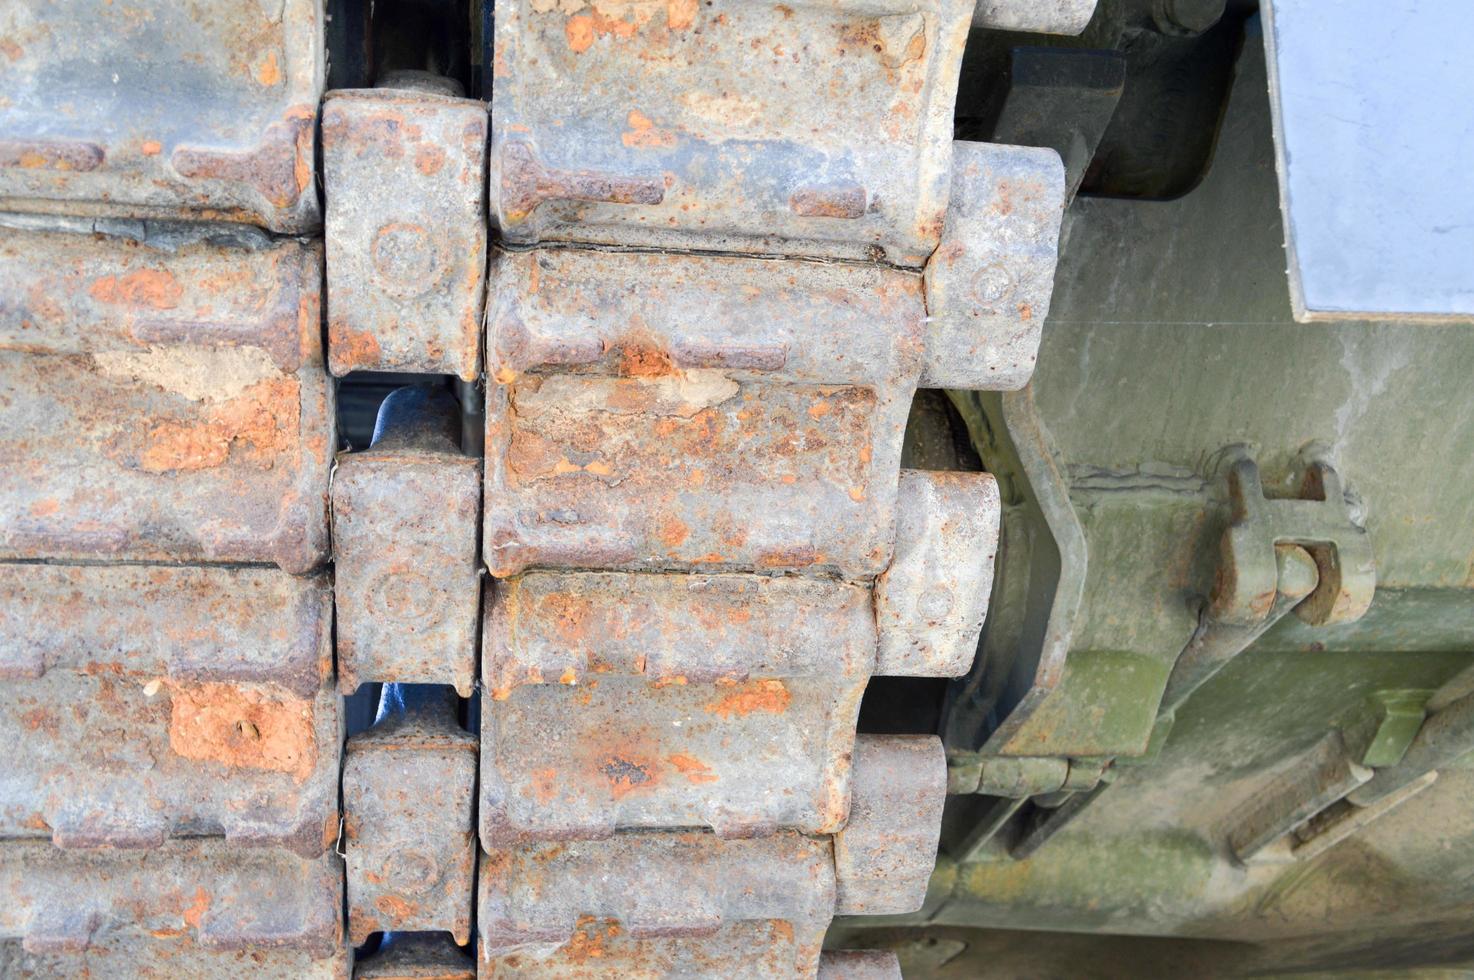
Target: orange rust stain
x,y
570,614
330,830
620,28
625,776
1025,311
783,930
588,941
268,72
820,408
156,288
10,49
677,679
642,132
857,494
184,448
37,719
353,348
733,535
673,532
429,158
260,423
396,908
568,677
238,727
152,148
545,785
44,508
770,696
302,163
694,770
642,360
580,33
680,14
197,909
915,47
950,253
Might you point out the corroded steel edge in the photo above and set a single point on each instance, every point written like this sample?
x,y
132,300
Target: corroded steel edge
x,y
90,119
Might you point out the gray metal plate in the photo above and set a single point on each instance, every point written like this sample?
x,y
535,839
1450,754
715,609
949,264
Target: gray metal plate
x,y
1373,142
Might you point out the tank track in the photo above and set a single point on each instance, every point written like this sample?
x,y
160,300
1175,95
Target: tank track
x,y
624,560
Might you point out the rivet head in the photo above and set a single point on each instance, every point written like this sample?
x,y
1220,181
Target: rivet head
x,y
935,603
991,286
405,260
406,596
413,871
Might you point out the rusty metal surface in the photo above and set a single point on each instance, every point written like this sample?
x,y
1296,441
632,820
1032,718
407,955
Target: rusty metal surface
x,y
706,418
162,109
884,855
533,899
633,700
405,185
930,603
200,624
99,763
602,948
562,898
404,539
1318,519
168,961
409,786
1215,643
189,896
145,702
661,411
817,129
989,282
694,495
165,400
859,964
417,956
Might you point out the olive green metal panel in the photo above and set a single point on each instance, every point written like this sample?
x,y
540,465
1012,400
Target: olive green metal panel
x,y
1171,338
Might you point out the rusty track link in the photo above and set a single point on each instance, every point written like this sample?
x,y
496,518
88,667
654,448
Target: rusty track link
x,y
688,547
